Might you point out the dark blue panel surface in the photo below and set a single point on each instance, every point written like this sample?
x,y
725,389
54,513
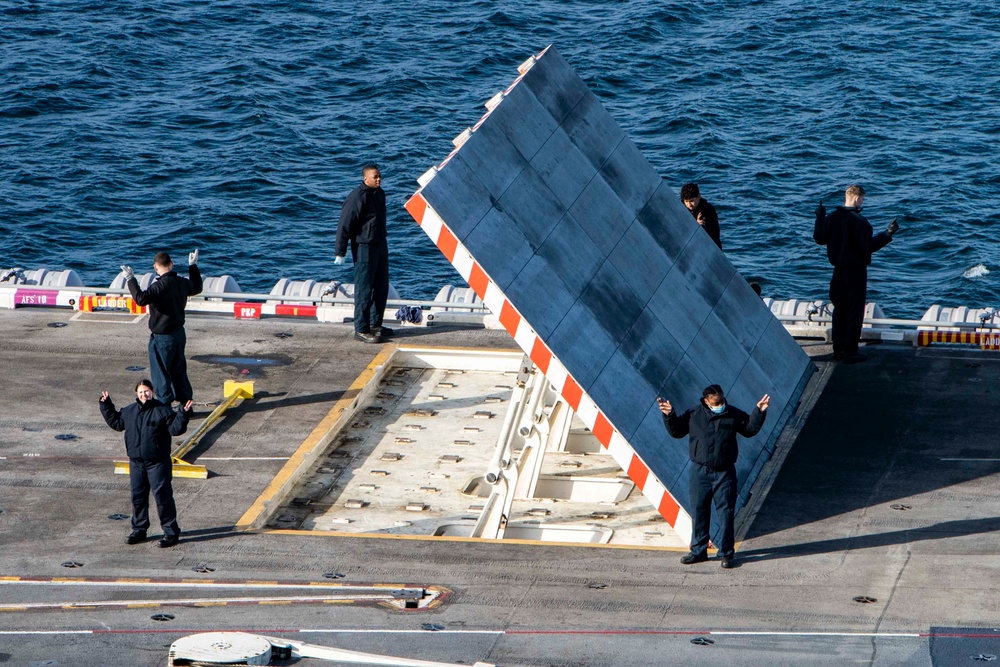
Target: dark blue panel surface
x,y
631,176
601,214
621,391
743,312
532,206
651,349
612,302
706,268
555,84
641,261
563,168
458,196
540,296
493,158
720,356
582,346
670,228
496,235
524,121
592,130
572,254
681,310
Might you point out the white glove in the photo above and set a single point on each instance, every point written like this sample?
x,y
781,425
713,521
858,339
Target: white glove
x,y
127,272
340,259
193,258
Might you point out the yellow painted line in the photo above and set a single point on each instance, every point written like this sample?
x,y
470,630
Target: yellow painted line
x,y
10,578
253,582
340,602
126,580
313,440
472,540
276,602
143,604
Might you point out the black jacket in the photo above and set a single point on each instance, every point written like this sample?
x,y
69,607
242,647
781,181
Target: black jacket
x,y
711,220
166,298
148,427
362,218
848,237
713,437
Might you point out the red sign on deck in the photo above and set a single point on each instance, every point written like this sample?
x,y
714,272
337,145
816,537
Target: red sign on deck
x,y
247,311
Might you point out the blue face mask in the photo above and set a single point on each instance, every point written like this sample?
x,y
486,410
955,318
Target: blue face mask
x,y
717,409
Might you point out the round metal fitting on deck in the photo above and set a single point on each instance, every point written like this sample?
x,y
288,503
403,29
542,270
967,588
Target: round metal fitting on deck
x,y
702,641
864,599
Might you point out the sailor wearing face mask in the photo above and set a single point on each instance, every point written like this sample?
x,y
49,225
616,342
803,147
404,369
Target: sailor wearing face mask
x,y
712,427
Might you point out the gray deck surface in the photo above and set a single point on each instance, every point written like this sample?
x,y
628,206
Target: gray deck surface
x,y
910,427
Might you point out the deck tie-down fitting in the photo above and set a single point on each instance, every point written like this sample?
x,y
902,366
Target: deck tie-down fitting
x,y
232,391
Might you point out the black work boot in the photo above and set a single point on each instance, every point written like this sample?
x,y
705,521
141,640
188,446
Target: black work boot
x,y
135,537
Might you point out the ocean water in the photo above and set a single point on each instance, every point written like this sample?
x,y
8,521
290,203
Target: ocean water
x,y
238,127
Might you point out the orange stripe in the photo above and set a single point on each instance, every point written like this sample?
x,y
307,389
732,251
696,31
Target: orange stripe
x,y
603,430
509,318
541,355
447,243
478,281
417,207
669,509
572,393
638,472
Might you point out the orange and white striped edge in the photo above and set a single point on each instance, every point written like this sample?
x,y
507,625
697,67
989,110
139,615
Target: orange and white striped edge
x,y
529,341
90,303
987,341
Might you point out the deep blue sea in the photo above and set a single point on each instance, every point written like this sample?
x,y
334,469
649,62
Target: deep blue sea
x,y
238,127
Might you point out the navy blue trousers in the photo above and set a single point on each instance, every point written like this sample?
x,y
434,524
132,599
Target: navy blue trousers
x,y
708,485
371,285
848,292
168,367
145,477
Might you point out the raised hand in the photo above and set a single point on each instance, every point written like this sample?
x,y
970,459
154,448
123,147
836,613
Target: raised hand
x,y
105,396
763,403
665,406
127,272
193,257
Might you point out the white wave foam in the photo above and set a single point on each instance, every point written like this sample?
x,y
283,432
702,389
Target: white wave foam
x,y
977,271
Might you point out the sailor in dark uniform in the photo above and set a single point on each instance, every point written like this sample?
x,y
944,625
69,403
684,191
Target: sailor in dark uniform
x,y
148,425
850,242
712,428
703,212
362,225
